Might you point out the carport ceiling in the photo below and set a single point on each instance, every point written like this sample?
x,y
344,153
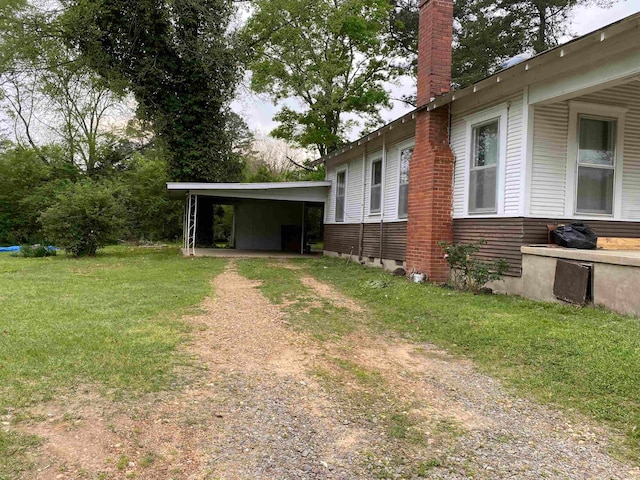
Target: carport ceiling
x,y
287,191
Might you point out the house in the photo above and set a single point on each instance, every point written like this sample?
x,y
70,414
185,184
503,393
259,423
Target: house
x,y
553,139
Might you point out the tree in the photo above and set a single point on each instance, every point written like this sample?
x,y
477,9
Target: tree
x,y
485,35
178,61
488,32
48,92
27,187
327,54
151,215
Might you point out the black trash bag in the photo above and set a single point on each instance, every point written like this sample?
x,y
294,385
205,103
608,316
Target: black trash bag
x,y
576,235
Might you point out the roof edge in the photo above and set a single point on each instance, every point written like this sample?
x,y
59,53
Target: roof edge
x,y
245,186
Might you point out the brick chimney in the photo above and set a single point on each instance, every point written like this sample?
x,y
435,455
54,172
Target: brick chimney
x,y
431,170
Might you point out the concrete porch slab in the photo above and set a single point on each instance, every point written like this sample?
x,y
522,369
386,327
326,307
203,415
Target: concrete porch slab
x,y
629,258
232,253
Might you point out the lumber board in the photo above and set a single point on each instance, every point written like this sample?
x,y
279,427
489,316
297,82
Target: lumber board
x,y
615,243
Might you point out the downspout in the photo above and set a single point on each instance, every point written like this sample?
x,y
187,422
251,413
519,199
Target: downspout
x,y
450,126
364,196
382,186
453,178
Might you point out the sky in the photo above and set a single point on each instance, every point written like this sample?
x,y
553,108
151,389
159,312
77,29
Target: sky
x,y
258,112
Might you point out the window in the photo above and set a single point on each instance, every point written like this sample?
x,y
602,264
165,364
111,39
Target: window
x,y
376,187
483,173
403,192
595,160
596,165
341,182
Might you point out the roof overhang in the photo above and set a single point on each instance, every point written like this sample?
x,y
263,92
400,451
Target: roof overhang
x,y
616,37
315,192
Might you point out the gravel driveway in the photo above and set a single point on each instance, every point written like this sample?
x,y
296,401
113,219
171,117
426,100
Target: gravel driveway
x,y
271,402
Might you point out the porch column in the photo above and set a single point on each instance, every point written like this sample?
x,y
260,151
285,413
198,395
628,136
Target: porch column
x,y
192,219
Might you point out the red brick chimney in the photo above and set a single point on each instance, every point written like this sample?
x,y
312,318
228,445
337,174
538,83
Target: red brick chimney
x,y
431,171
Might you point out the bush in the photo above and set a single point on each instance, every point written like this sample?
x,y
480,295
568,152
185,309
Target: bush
x,y
468,273
38,251
85,216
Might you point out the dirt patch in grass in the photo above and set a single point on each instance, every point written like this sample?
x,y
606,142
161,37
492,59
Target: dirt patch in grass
x,y
327,292
243,331
155,436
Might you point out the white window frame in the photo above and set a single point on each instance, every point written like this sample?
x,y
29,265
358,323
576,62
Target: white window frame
x,y
411,144
501,114
378,157
598,111
340,170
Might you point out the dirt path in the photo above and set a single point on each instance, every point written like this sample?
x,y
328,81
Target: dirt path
x,y
272,403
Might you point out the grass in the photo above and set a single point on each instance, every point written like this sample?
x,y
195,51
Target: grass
x,y
110,321
278,283
580,359
12,453
306,310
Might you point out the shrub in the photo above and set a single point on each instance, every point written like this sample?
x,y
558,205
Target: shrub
x,y
38,251
467,272
85,216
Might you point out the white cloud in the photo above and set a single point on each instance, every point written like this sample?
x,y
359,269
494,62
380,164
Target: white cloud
x,y
586,19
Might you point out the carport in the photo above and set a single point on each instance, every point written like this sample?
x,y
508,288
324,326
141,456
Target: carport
x,y
267,217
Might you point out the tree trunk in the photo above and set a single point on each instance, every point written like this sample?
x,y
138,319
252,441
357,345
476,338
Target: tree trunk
x,y
541,42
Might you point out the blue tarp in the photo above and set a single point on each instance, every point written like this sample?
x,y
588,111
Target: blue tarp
x,y
16,248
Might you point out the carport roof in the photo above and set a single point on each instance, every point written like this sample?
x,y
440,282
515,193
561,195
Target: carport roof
x,y
288,191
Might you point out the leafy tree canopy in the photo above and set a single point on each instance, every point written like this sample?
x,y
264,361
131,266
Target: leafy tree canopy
x,y
177,58
488,32
51,95
329,55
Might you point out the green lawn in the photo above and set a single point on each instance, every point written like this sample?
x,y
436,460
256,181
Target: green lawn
x,y
581,359
112,321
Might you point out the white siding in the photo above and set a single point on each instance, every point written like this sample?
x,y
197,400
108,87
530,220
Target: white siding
x,y
391,184
515,137
549,168
330,204
353,207
459,147
392,180
353,193
551,133
629,96
359,183
513,161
